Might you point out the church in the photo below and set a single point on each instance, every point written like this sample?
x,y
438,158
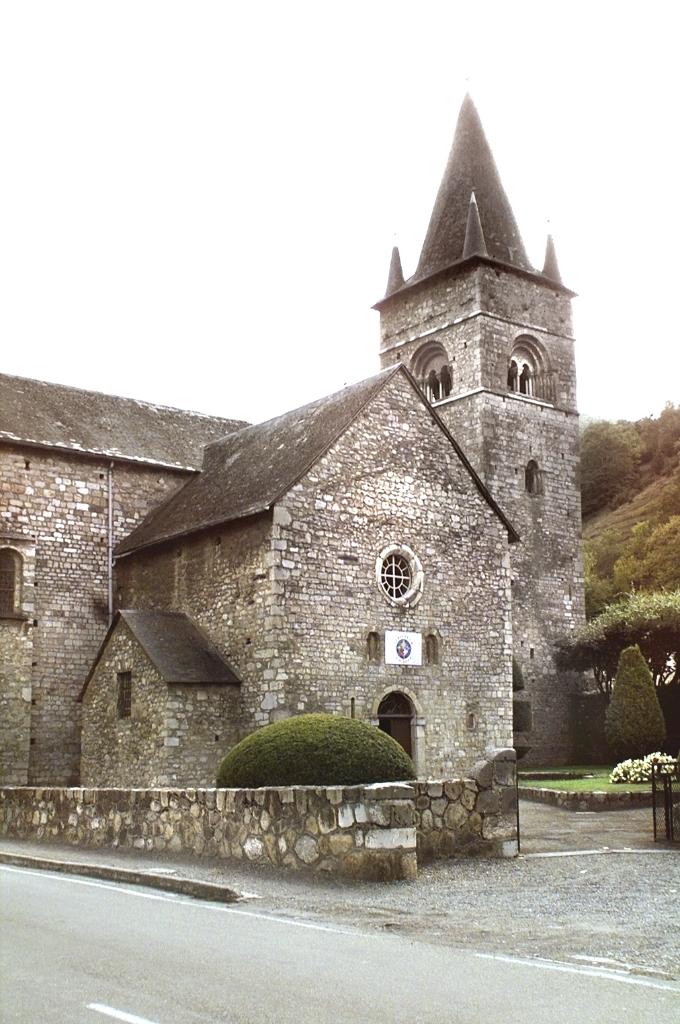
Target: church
x,y
398,552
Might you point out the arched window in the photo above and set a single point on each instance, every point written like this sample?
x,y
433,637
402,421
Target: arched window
x,y
528,370
430,366
395,717
11,566
373,646
431,649
532,478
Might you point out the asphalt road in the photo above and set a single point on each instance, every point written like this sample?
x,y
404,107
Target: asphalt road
x,y
75,950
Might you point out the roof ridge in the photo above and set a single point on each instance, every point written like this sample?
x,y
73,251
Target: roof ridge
x,y
247,471
121,398
298,409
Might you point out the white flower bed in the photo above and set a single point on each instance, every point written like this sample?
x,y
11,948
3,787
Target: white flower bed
x,y
640,769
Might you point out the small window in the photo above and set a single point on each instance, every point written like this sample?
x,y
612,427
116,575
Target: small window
x,y
373,646
431,649
124,694
532,478
471,721
11,566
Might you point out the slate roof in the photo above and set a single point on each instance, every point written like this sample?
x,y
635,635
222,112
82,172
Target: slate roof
x,y
54,416
179,650
250,470
470,168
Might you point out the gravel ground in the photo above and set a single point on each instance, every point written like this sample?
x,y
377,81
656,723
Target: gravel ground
x,y
571,905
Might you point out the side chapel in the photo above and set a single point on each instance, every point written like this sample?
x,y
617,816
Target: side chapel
x,y
381,553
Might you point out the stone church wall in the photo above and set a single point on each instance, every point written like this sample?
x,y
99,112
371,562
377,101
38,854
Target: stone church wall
x,y
59,501
394,478
16,657
547,571
477,315
175,734
290,599
221,579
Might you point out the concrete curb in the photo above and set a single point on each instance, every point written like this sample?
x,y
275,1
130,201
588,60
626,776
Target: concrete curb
x,y
168,883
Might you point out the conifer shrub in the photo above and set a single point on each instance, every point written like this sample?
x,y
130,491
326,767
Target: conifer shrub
x,y
315,750
634,723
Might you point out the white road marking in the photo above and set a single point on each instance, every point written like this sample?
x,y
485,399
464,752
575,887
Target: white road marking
x,y
179,898
592,972
56,876
221,908
589,853
130,1018
621,965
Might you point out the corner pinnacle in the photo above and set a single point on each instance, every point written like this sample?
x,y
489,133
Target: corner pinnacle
x,y
395,278
550,267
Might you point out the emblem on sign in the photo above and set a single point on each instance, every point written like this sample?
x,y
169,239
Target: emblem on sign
x,y
403,648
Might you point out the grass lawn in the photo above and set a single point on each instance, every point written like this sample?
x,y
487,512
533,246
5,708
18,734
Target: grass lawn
x,y
599,781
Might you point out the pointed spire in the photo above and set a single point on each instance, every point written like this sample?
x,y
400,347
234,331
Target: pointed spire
x,y
395,278
474,244
550,265
470,167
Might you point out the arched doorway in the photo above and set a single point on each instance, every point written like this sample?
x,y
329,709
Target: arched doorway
x,y
395,717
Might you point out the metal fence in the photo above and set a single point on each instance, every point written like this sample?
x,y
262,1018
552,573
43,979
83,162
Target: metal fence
x,y
666,802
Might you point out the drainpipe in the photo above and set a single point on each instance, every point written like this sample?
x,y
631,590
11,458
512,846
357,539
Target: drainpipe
x,y
109,546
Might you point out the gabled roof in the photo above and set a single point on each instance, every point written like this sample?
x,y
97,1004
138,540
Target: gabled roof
x,y
178,649
247,472
54,416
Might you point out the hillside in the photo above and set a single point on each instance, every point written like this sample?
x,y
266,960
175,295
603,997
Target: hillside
x,y
631,502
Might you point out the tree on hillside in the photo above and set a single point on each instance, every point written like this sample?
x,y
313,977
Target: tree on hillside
x,y
610,456
660,438
651,559
634,724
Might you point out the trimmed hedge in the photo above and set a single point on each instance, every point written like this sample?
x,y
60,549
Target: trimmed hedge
x,y
315,750
634,723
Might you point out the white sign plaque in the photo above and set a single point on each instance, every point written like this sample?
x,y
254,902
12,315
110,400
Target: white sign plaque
x,y
402,648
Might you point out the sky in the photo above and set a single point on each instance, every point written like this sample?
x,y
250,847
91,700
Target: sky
x,y
198,200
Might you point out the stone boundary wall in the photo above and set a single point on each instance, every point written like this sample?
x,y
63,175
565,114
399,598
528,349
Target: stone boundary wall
x,y
595,801
359,832
469,816
377,832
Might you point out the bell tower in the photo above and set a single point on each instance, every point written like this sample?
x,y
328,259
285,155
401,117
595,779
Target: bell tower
x,y
489,338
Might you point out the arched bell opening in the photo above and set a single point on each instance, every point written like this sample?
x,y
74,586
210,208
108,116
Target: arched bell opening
x,y
529,370
431,368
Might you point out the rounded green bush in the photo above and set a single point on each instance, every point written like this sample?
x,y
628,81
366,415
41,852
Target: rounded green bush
x,y
315,750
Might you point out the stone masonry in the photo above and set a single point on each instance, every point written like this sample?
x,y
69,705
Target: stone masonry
x,y
474,305
501,433
176,734
379,832
64,480
290,596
